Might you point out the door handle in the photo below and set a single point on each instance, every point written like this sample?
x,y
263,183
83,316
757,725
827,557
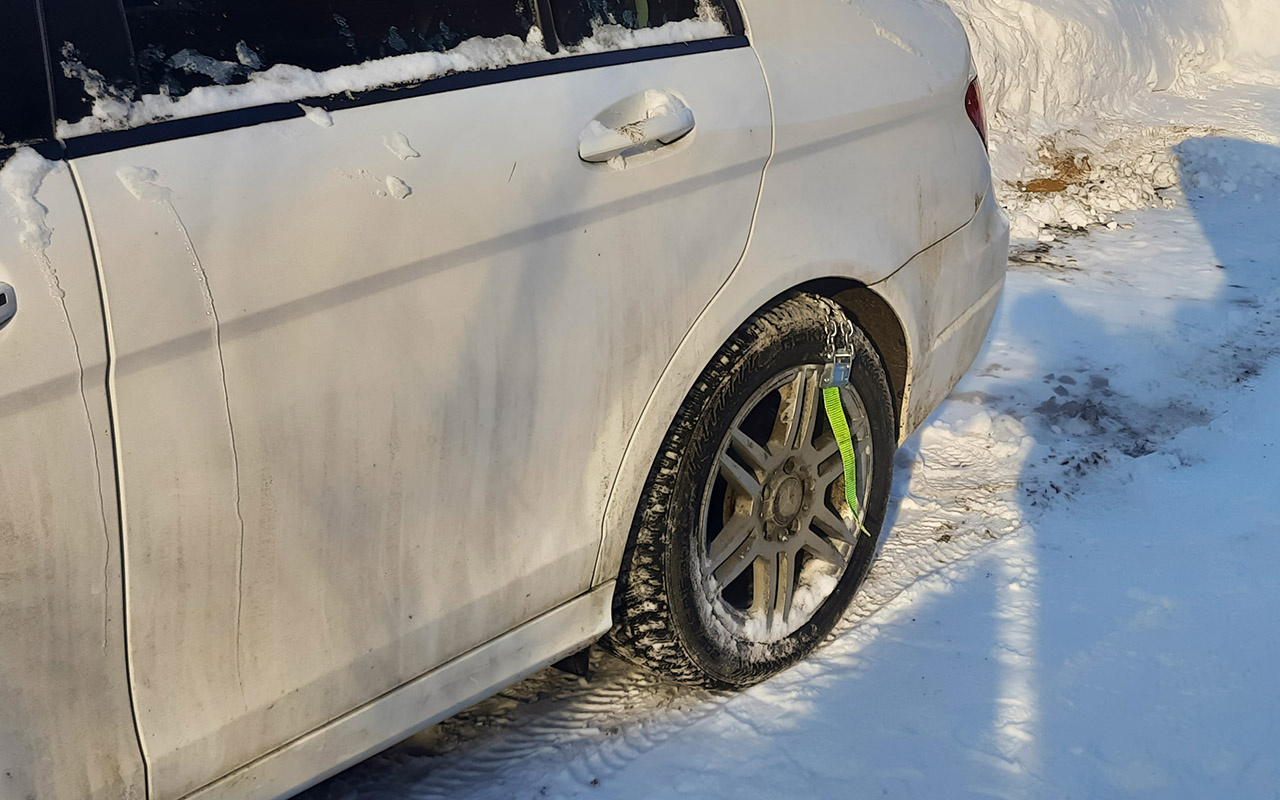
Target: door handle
x,y
646,121
8,304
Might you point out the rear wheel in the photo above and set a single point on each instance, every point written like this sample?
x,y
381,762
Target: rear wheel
x,y
745,551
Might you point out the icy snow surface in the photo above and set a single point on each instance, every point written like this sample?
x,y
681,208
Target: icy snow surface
x,y
319,116
399,146
1076,593
398,188
20,180
144,184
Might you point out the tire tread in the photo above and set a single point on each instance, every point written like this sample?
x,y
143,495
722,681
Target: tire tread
x,y
644,632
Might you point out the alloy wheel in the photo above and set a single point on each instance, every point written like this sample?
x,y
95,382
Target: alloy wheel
x,y
777,528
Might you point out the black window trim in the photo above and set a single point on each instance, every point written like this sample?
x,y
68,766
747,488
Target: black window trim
x,y
24,64
542,17
151,133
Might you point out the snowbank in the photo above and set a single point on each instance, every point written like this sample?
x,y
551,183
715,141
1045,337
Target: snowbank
x,y
1068,87
1221,166
1255,29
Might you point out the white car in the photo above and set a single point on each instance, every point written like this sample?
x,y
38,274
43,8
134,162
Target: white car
x,y
360,358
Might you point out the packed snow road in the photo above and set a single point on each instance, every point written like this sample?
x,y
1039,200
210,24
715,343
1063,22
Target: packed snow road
x,y
1075,597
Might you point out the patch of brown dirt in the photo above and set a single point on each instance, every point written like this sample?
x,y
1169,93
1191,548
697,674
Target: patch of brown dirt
x,y
1066,168
1044,185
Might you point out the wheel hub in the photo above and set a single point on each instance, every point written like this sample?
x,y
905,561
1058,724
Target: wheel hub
x,y
787,497
784,499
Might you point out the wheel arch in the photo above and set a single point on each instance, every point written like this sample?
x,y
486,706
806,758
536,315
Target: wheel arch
x,y
869,310
882,325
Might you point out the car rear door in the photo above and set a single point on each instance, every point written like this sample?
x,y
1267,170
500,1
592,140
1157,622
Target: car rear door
x,y
376,357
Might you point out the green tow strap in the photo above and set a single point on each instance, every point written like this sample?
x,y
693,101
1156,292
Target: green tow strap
x,y
840,427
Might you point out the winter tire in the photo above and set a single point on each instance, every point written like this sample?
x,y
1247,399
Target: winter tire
x,y
744,552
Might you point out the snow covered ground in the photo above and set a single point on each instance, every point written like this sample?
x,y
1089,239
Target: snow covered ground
x,y
1077,592
1085,99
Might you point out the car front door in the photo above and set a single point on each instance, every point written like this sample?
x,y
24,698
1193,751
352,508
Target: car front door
x,y
66,729
375,358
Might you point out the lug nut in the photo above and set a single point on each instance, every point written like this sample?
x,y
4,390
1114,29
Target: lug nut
x,y
790,465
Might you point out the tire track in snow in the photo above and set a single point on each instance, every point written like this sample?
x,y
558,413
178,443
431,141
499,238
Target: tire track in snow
x,y
1035,423
554,730
963,484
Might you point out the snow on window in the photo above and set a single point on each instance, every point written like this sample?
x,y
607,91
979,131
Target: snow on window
x,y
606,36
577,20
181,44
116,109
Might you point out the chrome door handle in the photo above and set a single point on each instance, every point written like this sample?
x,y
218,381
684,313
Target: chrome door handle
x,y
8,304
642,122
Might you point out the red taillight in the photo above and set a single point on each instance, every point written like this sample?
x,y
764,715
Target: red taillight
x,y
973,107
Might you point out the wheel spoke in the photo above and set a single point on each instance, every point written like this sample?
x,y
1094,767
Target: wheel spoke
x,y
739,477
797,412
738,532
859,425
750,451
765,587
828,448
864,473
820,548
809,417
832,467
735,561
789,409
786,585
833,525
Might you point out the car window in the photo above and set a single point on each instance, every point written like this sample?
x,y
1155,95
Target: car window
x,y
124,65
577,19
24,101
181,44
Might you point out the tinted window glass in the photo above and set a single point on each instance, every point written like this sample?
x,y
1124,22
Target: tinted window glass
x,y
181,44
575,18
24,98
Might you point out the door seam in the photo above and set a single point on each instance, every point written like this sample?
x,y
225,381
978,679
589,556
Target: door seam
x,y
113,416
597,577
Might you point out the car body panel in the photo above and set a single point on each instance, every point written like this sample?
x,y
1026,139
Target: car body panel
x,y
364,433
965,270
947,297
869,173
66,728
874,157
379,442
423,701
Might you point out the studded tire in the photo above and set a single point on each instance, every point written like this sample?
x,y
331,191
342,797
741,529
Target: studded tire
x,y
668,615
